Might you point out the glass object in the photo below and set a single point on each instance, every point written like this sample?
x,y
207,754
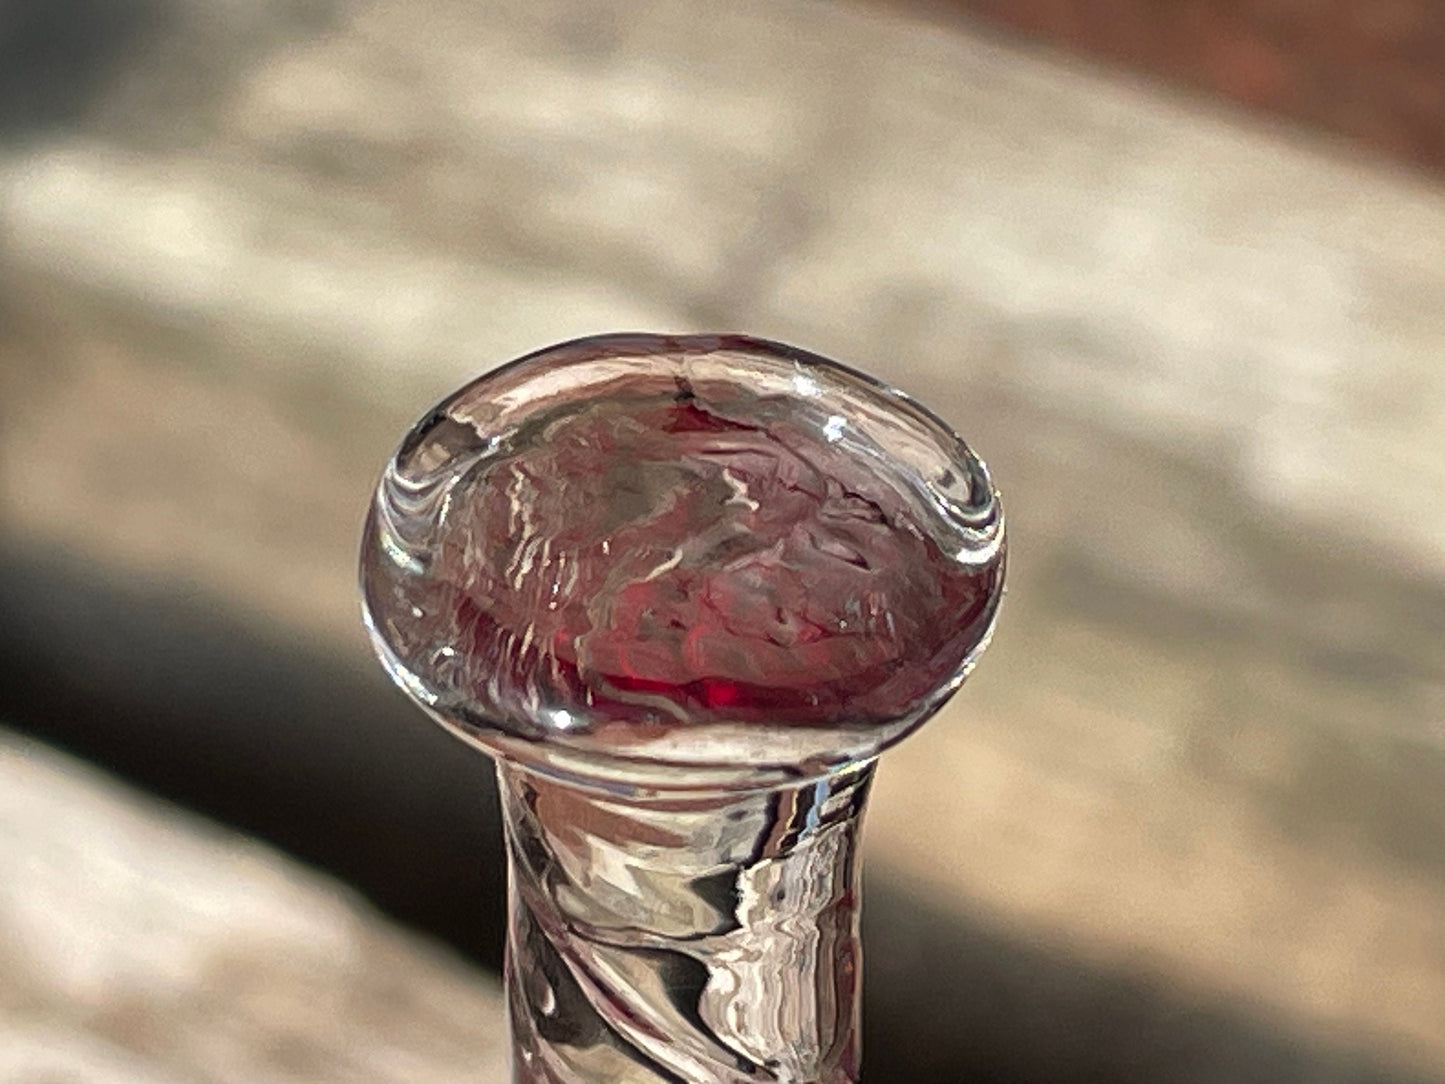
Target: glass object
x,y
684,590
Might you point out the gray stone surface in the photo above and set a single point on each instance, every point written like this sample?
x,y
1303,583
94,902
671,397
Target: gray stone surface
x,y
1201,355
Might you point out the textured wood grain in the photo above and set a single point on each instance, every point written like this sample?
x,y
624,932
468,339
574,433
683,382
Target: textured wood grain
x,y
141,946
1203,361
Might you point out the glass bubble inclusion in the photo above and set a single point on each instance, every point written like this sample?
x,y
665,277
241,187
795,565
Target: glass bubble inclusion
x,y
651,545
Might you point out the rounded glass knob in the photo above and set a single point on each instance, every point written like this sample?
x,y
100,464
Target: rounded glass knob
x,y
670,562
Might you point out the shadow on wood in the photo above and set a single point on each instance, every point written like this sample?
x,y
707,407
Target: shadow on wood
x,y
314,752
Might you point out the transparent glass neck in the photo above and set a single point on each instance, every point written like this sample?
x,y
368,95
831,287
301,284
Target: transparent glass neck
x,y
709,938
685,589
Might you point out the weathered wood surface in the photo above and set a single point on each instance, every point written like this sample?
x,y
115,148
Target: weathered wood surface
x,y
139,945
1202,357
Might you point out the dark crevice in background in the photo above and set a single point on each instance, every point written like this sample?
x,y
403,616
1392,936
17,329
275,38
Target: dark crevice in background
x,y
57,56
145,73
276,738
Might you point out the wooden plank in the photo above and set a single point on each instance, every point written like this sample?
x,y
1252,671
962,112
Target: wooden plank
x,y
1202,359
140,945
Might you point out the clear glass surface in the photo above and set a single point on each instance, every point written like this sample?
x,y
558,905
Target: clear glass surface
x,y
685,590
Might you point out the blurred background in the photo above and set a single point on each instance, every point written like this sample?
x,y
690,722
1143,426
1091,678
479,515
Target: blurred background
x,y
1176,270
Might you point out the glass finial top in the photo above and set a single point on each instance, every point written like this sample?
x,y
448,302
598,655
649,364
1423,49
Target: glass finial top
x,y
702,552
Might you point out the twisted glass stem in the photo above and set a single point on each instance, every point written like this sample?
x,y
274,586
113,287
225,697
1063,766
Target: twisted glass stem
x,y
665,580
706,939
